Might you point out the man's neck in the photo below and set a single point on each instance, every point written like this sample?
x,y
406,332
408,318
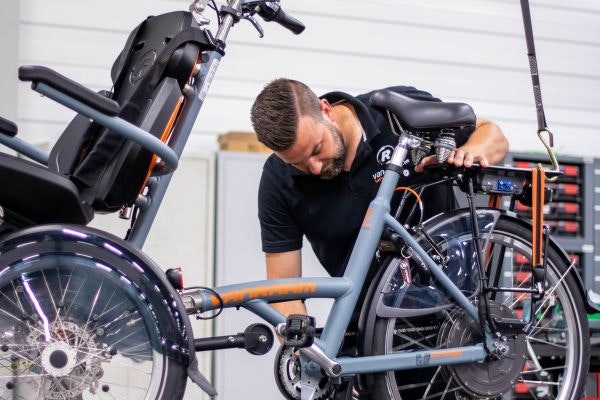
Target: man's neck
x,y
350,129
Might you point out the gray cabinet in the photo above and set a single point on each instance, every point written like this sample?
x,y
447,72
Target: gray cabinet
x,y
239,258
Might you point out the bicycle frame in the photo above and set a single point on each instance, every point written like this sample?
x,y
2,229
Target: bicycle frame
x,y
345,290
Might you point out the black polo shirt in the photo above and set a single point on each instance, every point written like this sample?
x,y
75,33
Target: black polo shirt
x,y
330,212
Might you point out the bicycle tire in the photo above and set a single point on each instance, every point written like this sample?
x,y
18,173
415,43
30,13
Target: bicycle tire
x,y
563,375
72,328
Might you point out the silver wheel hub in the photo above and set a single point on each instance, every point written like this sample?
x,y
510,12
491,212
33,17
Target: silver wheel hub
x,y
59,359
72,357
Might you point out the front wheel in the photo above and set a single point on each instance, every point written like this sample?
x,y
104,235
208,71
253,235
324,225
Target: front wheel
x,y
71,328
551,362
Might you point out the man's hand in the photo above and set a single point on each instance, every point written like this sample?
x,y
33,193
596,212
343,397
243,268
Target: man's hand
x,y
486,146
458,157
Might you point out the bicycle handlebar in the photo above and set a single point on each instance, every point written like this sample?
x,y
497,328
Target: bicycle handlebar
x,y
271,11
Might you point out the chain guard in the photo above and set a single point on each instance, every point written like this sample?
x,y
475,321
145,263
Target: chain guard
x,y
492,377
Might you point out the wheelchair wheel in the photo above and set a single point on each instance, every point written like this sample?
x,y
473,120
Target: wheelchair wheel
x,y
72,328
551,362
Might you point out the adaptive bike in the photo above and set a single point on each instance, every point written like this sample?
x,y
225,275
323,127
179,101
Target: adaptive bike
x,y
465,305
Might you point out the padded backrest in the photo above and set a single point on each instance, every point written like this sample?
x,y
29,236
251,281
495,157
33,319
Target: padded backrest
x,y
148,77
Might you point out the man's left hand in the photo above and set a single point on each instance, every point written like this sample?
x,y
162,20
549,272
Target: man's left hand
x,y
459,158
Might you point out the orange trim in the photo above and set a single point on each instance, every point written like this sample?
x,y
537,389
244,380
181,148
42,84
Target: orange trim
x,y
169,127
264,292
367,221
447,353
534,211
494,201
537,213
164,137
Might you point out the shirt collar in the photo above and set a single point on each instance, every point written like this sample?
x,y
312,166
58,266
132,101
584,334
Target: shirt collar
x,y
360,104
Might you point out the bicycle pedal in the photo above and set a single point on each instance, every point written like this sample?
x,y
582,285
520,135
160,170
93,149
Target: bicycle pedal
x,y
299,330
510,325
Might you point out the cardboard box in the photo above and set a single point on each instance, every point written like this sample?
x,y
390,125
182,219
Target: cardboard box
x,y
242,141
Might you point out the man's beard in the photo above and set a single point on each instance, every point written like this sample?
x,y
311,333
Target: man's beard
x,y
335,165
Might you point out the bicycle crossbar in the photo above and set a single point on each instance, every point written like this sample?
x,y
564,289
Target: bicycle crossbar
x,y
247,294
410,360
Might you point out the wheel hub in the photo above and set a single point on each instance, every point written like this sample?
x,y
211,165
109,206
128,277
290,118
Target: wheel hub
x,y
73,357
495,375
59,359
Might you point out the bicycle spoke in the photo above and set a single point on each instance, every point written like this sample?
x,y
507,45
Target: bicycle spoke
x,y
437,371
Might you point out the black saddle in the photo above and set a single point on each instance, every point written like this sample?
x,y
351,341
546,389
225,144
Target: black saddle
x,y
91,169
424,116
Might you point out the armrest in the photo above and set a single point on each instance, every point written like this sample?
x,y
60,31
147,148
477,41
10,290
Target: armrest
x,y
8,128
37,74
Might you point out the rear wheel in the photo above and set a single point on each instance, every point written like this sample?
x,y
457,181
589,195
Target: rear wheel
x,y
71,328
549,363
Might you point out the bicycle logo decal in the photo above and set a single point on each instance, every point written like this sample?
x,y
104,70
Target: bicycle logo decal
x,y
142,67
265,291
423,360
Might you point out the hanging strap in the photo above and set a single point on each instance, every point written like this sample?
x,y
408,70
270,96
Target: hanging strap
x,y
535,79
537,91
538,182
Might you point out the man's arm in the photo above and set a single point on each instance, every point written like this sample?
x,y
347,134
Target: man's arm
x,y
286,265
487,145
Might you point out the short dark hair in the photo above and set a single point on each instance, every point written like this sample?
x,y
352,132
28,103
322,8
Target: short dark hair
x,y
277,110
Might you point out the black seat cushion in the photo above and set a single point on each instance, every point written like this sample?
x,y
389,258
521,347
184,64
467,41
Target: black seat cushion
x,y
418,115
40,195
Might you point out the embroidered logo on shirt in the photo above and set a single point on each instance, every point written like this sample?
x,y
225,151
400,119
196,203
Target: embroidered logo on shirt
x,y
384,154
378,176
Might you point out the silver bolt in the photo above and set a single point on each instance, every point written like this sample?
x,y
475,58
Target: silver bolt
x,y
196,69
262,338
187,89
231,339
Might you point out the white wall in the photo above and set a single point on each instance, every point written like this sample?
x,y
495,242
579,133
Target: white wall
x,y
9,27
466,50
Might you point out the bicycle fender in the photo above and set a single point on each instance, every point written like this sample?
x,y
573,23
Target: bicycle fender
x,y
441,220
176,335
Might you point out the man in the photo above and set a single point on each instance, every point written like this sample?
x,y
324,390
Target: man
x,y
329,158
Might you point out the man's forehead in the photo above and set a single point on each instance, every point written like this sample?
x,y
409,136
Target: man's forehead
x,y
306,140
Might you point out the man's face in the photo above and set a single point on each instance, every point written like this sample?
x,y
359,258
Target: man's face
x,y
319,148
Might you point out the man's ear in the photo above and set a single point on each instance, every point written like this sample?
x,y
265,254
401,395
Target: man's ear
x,y
326,109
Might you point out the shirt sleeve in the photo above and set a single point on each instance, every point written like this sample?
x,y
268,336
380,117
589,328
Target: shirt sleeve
x,y
414,93
278,228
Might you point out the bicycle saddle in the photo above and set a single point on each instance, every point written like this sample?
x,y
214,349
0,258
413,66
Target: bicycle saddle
x,y
419,115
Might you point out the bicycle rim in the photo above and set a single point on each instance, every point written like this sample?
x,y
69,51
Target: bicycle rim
x,y
71,332
557,348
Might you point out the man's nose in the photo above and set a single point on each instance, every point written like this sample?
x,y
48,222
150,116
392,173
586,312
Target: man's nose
x,y
314,166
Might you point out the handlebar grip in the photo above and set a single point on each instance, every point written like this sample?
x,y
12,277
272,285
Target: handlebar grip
x,y
274,12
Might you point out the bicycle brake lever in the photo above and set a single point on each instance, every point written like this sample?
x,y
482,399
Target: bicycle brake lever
x,y
256,25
